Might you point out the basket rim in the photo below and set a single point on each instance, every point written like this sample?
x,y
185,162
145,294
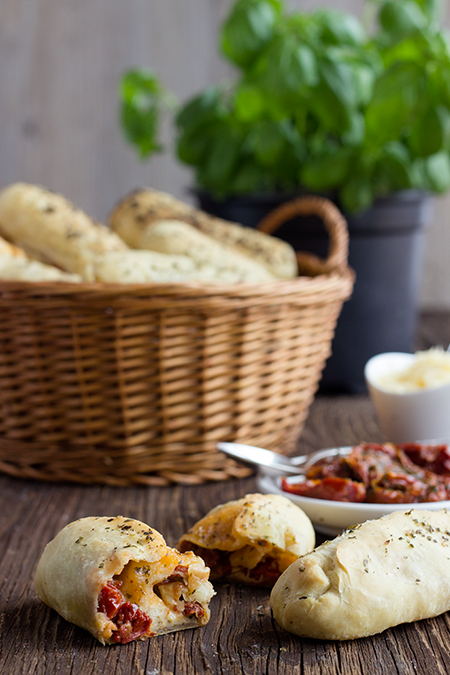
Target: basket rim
x,y
198,287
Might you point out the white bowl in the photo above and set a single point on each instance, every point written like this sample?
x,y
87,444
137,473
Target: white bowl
x,y
331,517
411,416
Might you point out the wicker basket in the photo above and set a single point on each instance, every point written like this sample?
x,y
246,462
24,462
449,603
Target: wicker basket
x,y
135,384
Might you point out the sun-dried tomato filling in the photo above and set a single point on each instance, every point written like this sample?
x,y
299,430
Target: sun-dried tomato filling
x,y
379,473
132,623
265,573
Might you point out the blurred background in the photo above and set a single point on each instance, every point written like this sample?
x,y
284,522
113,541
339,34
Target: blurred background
x,y
60,64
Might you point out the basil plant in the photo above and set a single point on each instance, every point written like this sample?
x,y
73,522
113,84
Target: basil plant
x,y
320,103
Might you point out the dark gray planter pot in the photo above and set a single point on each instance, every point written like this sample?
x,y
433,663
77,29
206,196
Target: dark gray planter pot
x,y
386,251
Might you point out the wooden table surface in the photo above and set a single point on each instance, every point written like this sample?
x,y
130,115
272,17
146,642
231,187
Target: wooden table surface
x,y
241,637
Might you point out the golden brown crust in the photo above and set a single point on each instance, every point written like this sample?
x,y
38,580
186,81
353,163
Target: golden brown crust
x,y
92,552
253,531
380,574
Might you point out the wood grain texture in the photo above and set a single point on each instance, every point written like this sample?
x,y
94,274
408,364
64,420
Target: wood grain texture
x,y
242,637
60,62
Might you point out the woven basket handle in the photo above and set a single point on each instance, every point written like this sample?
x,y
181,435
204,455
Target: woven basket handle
x,y
334,222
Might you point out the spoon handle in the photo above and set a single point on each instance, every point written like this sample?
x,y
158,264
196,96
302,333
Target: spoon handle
x,y
274,463
253,456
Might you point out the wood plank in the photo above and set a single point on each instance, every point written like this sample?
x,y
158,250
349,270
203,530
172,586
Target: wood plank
x,y
242,636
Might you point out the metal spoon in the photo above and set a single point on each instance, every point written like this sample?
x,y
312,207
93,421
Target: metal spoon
x,y
274,464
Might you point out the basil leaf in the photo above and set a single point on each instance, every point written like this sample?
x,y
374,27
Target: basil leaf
x,y
249,102
287,70
201,109
335,98
248,29
248,177
326,171
431,132
437,172
225,150
398,97
356,194
392,169
400,19
142,98
340,28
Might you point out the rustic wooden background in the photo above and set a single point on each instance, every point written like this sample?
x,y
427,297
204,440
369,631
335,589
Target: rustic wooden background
x,y
60,62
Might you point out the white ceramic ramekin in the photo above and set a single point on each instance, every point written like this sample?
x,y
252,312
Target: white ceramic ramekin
x,y
412,416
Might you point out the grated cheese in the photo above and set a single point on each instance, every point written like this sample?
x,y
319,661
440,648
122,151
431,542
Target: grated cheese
x,y
429,370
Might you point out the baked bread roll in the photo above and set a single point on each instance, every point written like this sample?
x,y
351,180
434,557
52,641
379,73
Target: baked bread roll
x,y
225,262
133,214
50,229
117,578
6,248
140,267
23,269
251,540
376,575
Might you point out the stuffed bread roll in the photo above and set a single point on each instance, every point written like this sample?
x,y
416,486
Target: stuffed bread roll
x,y
117,578
251,540
376,575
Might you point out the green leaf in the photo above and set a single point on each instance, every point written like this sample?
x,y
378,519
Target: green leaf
x,y
225,151
321,173
201,110
248,29
356,194
340,28
431,132
398,97
249,102
272,142
356,131
364,81
401,18
248,177
267,142
287,70
437,172
142,99
392,170
433,9
334,100
339,77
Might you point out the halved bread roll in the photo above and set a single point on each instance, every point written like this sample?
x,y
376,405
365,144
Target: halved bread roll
x,y
376,575
138,210
251,540
50,229
117,578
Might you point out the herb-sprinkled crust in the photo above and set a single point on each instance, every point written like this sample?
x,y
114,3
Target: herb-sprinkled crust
x,y
376,575
91,552
50,229
252,529
137,211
